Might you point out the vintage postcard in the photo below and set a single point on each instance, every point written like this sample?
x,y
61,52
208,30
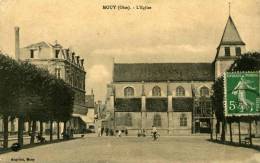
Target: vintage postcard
x,y
129,81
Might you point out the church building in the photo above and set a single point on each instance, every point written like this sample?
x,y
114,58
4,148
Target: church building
x,y
174,97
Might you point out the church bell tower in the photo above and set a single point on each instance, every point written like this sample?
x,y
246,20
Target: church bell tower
x,y
230,48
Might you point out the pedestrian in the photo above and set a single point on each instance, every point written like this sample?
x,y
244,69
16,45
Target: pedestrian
x,y
126,132
111,132
119,133
154,132
106,130
99,131
102,130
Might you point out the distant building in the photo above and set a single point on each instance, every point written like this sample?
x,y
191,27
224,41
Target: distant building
x,y
66,65
174,97
90,103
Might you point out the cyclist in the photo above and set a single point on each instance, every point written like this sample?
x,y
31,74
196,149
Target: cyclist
x,y
154,132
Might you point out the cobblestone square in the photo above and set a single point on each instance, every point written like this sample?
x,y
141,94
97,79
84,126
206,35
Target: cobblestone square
x,y
93,149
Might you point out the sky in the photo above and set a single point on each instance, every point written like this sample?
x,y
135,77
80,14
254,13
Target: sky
x,y
172,31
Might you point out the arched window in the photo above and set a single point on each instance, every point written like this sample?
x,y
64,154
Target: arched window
x,y
204,91
128,119
180,91
156,91
129,91
183,120
157,122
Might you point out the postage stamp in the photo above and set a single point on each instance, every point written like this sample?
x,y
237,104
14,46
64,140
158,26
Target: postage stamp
x,y
242,93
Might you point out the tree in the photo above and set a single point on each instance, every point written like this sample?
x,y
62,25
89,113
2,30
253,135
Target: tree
x,y
246,62
218,103
9,69
31,94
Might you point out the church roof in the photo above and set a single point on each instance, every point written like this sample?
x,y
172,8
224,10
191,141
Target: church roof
x,y
158,72
231,35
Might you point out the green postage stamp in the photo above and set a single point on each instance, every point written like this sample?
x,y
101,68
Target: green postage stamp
x,y
242,91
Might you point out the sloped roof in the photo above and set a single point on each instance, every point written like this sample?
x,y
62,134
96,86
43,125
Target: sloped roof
x,y
39,44
78,109
156,72
230,35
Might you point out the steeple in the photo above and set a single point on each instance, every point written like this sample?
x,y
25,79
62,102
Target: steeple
x,y
230,47
230,35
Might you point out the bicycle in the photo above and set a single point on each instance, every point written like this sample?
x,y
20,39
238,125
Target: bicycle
x,y
155,136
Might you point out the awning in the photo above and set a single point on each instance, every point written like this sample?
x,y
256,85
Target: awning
x,y
83,117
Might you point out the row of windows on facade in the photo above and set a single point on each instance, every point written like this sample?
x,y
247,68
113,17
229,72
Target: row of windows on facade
x,y
57,51
156,91
32,54
75,81
237,49
157,121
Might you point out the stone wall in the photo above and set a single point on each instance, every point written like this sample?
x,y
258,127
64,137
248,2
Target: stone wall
x,y
169,125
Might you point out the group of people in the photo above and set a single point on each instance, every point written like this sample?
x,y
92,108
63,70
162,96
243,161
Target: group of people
x,y
119,132
110,132
154,132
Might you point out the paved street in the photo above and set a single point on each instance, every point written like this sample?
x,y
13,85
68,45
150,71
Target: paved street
x,y
134,150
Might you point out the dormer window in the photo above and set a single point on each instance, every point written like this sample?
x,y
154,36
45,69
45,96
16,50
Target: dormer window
x,y
238,51
227,51
31,53
57,53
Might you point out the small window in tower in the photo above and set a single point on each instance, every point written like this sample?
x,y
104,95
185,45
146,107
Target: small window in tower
x,y
57,53
238,51
227,51
32,53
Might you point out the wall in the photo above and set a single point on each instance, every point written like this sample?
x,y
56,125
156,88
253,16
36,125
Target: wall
x,y
222,66
187,85
170,122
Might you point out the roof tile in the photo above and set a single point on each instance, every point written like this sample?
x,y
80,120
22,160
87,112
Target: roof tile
x,y
157,72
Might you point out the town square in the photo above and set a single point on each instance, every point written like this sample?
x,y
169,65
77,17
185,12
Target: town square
x,y
111,81
133,149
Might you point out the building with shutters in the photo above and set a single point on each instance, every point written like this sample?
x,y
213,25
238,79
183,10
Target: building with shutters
x,y
174,97
64,64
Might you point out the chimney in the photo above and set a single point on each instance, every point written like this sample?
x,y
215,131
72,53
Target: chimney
x,y
68,54
82,62
73,57
77,60
17,43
